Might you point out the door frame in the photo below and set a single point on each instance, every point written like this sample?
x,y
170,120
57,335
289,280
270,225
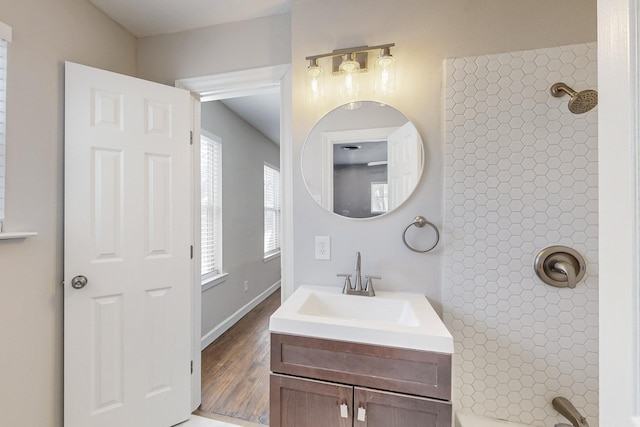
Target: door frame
x,y
329,139
229,85
619,210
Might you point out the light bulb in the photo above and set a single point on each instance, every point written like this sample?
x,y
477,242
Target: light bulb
x,y
385,73
350,87
315,83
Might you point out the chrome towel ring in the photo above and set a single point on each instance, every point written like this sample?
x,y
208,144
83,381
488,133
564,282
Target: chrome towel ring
x,y
420,222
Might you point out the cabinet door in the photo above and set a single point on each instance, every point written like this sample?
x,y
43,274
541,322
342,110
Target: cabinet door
x,y
297,402
383,409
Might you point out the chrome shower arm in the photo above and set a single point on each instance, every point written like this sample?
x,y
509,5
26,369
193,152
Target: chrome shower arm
x,y
580,102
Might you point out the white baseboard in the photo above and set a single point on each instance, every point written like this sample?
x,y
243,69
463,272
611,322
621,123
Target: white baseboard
x,y
222,327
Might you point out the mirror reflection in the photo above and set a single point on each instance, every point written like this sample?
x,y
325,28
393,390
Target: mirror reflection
x,y
362,162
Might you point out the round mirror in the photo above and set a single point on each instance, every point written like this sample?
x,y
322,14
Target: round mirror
x,y
362,162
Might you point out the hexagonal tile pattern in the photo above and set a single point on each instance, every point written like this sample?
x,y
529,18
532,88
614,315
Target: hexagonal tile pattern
x,y
520,175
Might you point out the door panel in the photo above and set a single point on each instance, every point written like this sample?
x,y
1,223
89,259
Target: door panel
x,y
404,156
106,215
128,229
158,200
108,372
296,402
385,409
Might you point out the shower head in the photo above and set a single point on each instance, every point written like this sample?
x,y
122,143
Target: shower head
x,y
580,102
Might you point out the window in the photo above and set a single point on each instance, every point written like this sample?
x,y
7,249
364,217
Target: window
x,y
211,206
379,197
271,210
5,37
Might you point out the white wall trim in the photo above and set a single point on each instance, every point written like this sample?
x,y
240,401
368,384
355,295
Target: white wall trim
x,y
619,189
236,83
634,53
286,179
6,32
634,41
222,327
196,323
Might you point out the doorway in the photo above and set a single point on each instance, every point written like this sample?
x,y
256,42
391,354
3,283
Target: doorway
x,y
235,369
235,364
216,88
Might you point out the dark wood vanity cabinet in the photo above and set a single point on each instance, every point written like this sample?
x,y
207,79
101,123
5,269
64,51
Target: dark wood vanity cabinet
x,y
385,409
324,383
307,403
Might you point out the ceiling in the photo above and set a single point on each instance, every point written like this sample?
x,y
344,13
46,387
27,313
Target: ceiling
x,y
260,111
145,18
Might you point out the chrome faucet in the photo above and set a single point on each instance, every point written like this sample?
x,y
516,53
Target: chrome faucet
x,y
357,288
358,284
569,411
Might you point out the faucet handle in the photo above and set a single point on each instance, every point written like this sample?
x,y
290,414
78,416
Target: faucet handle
x,y
347,281
369,284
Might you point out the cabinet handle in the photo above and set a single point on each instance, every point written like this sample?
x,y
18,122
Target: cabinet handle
x,y
344,410
362,414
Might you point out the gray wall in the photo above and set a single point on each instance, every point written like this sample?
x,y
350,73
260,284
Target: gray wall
x,y
45,34
221,48
425,32
244,151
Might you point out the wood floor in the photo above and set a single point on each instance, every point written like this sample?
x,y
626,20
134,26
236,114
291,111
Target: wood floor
x,y
235,367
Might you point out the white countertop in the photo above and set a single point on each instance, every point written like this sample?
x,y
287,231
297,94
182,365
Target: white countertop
x,y
392,319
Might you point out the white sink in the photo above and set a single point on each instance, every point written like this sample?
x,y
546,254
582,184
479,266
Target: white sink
x,y
390,318
387,310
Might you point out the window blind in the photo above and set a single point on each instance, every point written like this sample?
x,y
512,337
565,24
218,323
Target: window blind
x,y
3,123
211,206
271,210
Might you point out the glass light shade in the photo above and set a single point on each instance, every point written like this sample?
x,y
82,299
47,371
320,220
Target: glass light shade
x,y
385,73
350,86
315,83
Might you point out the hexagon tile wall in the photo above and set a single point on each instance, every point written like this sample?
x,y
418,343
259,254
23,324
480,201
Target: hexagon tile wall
x,y
521,175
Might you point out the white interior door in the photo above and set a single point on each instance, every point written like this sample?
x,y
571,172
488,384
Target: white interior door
x,y
128,216
404,163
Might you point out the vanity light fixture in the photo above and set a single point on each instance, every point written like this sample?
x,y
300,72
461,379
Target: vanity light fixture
x,y
347,64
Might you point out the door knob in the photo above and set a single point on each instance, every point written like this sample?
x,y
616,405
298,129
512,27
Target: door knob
x,y
79,282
